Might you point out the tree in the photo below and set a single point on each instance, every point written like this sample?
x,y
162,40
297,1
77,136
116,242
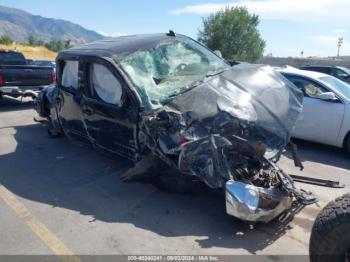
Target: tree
x,y
67,44
55,45
6,40
234,32
32,41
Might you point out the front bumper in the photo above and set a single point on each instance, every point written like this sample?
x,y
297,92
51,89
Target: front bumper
x,y
251,203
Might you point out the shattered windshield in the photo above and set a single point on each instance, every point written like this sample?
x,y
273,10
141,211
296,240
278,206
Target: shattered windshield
x,y
170,68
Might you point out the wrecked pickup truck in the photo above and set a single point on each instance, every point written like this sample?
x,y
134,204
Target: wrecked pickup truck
x,y
168,96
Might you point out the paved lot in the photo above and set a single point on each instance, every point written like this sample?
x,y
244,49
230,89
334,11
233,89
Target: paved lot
x,y
58,196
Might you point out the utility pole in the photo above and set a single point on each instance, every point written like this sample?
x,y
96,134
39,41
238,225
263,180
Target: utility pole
x,y
340,43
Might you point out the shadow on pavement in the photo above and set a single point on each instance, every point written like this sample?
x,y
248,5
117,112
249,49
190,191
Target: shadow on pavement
x,y
327,155
71,176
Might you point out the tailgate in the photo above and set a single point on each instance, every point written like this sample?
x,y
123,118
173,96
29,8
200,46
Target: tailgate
x,y
26,75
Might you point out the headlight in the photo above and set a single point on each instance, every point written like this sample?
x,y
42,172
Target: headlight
x,y
251,203
246,196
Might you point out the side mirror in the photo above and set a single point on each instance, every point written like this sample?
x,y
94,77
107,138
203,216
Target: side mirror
x,y
218,53
328,96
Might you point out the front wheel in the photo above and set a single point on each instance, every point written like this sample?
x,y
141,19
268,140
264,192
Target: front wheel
x,y
330,237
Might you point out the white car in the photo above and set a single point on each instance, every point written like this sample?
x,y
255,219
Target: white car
x,y
326,114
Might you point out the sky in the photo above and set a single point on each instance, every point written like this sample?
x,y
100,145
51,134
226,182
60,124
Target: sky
x,y
288,26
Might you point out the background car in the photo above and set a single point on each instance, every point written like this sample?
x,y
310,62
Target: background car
x,y
18,78
326,114
43,62
339,72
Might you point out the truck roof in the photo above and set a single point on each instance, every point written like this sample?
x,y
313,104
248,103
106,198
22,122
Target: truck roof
x,y
120,47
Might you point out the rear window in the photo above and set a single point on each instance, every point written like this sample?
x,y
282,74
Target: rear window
x,y
12,58
44,63
325,70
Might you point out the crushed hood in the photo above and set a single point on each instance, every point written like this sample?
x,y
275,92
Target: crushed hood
x,y
253,102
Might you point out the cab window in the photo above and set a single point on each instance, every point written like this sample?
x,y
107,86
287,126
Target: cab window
x,y
104,85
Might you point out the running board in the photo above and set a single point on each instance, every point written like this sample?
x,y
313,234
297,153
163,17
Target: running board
x,y
317,181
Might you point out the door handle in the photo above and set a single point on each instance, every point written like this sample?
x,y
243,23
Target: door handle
x,y
88,111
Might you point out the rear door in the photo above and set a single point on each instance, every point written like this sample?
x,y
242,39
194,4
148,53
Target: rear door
x,y
109,111
70,86
320,120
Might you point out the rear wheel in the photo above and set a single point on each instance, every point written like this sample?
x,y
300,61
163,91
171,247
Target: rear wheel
x,y
330,237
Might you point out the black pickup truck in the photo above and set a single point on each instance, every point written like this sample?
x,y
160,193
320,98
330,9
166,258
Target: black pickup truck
x,y
17,78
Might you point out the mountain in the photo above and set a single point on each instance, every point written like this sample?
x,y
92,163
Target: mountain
x,y
19,25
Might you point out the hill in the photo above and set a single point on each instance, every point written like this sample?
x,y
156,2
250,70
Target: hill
x,y
30,52
19,25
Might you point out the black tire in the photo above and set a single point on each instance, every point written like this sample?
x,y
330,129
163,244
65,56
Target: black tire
x,y
347,143
330,237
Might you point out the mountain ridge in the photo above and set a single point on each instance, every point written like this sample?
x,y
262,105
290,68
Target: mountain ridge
x,y
20,24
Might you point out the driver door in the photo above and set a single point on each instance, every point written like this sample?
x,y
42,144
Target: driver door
x,y
320,120
109,114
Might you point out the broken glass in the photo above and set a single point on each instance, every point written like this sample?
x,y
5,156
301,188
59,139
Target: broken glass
x,y
169,69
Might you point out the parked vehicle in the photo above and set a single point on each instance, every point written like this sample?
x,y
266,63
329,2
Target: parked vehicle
x,y
339,72
168,96
44,62
330,237
326,113
17,78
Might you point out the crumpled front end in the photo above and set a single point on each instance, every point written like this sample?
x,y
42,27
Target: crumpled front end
x,y
227,132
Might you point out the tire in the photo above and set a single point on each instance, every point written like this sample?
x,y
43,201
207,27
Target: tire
x,y
347,143
330,237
